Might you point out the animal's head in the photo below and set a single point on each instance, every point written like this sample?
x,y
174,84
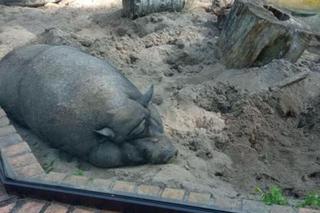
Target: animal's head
x,y
156,149
136,118
138,123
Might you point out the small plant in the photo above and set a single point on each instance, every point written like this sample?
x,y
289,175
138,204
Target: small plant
x,y
311,200
273,196
78,172
48,167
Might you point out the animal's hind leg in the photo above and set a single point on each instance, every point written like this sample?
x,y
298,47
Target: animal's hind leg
x,y
106,155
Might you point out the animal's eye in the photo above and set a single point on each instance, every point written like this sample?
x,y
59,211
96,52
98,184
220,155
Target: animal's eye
x,y
138,129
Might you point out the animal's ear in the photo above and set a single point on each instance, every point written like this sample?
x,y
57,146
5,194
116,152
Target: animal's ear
x,y
107,132
146,98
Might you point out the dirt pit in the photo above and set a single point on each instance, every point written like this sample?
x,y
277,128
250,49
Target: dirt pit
x,y
235,129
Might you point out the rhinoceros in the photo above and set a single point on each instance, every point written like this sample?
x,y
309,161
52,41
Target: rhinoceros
x,y
82,105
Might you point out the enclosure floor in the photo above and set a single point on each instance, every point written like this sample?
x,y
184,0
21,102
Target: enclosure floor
x,y
232,136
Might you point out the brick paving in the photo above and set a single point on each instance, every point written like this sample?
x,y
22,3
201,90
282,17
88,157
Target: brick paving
x,y
13,204
174,194
304,210
149,190
57,208
7,208
20,162
34,206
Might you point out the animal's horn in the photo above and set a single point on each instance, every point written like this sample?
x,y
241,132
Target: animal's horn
x,y
146,98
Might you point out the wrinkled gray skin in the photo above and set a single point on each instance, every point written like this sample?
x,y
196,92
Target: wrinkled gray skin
x,y
82,105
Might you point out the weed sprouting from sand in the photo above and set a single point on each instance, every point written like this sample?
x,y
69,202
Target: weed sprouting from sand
x,y
273,196
78,172
48,167
311,200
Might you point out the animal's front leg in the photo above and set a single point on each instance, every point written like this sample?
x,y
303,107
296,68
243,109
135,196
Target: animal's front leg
x,y
106,155
131,155
109,154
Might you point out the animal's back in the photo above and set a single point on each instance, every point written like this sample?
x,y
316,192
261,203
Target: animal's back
x,y
62,94
82,105
12,70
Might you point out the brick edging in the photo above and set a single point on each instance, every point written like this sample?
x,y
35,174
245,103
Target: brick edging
x,y
21,164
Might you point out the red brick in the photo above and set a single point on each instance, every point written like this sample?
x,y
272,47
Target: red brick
x,y
9,140
149,190
7,130
176,194
109,211
305,210
200,198
252,206
55,177
98,184
30,171
22,160
83,210
4,121
7,208
56,208
281,209
16,149
226,203
2,113
123,186
76,181
31,207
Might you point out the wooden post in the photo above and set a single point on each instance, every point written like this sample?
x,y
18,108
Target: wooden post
x,y
254,35
136,8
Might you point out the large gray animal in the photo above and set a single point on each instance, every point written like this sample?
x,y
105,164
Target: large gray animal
x,y
82,105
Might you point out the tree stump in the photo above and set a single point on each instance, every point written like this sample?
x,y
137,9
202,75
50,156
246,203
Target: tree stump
x,y
254,35
221,9
136,8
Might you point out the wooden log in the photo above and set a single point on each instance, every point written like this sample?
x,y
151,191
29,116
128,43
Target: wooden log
x,y
136,8
254,35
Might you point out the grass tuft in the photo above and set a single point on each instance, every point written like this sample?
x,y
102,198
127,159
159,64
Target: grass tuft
x,y
273,196
311,200
78,172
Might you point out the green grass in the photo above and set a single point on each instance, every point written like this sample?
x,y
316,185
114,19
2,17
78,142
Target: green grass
x,y
273,196
78,172
311,200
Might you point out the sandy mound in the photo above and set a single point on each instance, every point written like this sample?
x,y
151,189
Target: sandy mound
x,y
234,129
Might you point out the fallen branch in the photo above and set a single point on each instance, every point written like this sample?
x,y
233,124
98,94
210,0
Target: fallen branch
x,y
292,80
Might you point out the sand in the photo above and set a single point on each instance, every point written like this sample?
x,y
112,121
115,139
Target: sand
x,y
235,129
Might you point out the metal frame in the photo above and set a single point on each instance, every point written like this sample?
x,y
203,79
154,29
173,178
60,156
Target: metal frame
x,y
123,202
